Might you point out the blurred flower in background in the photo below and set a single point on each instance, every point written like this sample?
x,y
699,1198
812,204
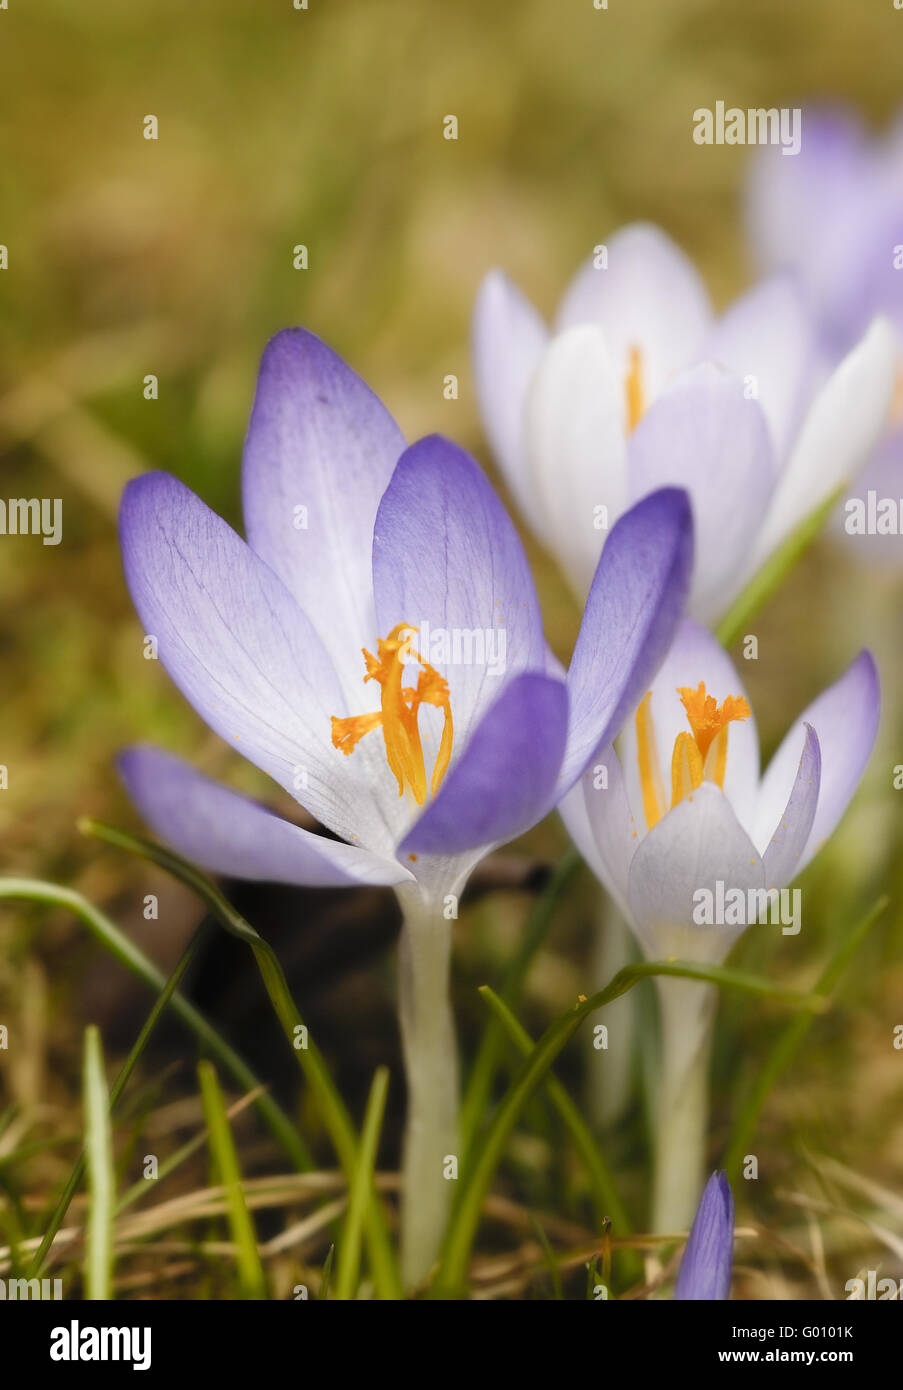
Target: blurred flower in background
x,y
834,216
613,403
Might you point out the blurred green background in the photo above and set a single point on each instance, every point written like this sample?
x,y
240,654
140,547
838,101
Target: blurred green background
x,y
174,257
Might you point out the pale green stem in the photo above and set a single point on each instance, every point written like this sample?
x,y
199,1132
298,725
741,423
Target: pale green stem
x,y
609,1069
430,1057
687,1011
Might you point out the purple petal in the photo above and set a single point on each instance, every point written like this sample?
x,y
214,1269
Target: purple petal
x,y
882,476
705,1270
319,439
703,434
504,780
236,643
634,606
227,833
508,338
446,555
837,203
845,718
785,849
812,212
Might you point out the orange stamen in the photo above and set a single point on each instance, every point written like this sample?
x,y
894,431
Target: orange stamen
x,y
698,756
634,390
650,773
399,708
686,768
707,718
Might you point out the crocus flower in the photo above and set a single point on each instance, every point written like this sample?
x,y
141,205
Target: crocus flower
x,y
705,1270
833,215
682,830
638,386
305,648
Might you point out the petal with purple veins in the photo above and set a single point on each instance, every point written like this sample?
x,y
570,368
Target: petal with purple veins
x,y
845,718
240,649
504,780
783,854
705,1270
320,440
632,612
227,833
446,555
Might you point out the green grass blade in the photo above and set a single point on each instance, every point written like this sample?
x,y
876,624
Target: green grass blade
x,y
101,1179
128,954
790,1039
606,1201
331,1106
607,1205
475,1103
175,1160
164,997
549,1256
774,571
465,1218
327,1275
251,1276
361,1194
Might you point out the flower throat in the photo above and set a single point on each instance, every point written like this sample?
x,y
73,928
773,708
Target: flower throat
x,y
398,714
697,755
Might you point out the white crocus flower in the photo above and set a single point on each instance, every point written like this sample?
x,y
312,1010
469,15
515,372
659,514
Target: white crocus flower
x,y
688,839
638,386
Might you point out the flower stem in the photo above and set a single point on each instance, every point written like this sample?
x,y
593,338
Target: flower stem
x,y
687,1009
428,1044
609,1071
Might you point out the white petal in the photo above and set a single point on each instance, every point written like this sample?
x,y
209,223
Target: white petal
x,y
697,845
783,855
845,718
576,450
705,435
612,828
650,297
838,435
767,339
508,338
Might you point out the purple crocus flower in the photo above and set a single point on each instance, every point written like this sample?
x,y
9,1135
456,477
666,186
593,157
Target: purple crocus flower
x,y
705,1270
833,216
694,845
637,385
375,647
